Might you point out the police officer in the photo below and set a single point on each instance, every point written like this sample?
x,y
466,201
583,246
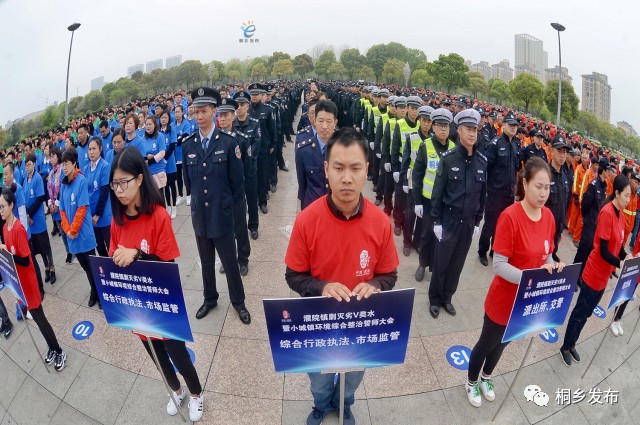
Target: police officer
x,y
264,114
383,133
534,149
488,131
378,118
267,99
424,175
457,205
503,161
213,171
249,128
560,190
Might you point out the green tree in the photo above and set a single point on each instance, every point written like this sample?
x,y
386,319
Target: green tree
x,y
234,69
282,68
477,84
118,97
218,70
275,57
189,72
257,61
421,78
93,101
527,89
337,70
324,62
259,71
498,90
367,73
128,86
303,64
352,61
108,88
416,58
377,56
136,76
233,74
570,101
587,123
450,72
393,70
51,118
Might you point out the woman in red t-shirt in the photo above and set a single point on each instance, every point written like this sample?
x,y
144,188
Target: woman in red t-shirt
x,y
523,240
607,254
16,242
141,229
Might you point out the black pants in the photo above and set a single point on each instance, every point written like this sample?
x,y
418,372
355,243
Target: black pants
x,y
179,181
495,206
226,247
620,311
169,350
409,238
386,189
556,238
41,245
585,246
103,240
241,232
170,191
36,266
488,350
251,191
450,254
273,166
428,241
45,329
588,299
377,174
399,203
264,162
370,169
83,259
4,315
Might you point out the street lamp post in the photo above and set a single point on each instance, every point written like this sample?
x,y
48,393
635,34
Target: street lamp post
x,y
212,70
71,28
558,27
407,73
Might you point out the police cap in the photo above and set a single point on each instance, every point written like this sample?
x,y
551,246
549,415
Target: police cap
x,y
414,101
468,117
559,141
256,88
227,105
400,101
493,114
446,102
205,96
442,115
392,100
375,92
242,97
383,93
510,119
425,111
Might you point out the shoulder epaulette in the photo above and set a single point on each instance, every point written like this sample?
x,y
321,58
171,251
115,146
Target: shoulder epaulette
x,y
228,133
306,142
254,119
449,152
481,155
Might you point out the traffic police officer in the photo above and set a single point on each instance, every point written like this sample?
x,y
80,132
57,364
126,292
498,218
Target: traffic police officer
x,y
264,114
560,189
502,156
425,167
457,205
213,171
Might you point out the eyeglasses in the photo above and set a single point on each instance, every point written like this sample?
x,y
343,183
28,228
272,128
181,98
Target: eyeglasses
x,y
123,184
441,125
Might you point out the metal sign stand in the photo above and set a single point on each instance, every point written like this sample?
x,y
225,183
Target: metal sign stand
x,y
633,331
526,354
342,373
604,335
164,379
32,339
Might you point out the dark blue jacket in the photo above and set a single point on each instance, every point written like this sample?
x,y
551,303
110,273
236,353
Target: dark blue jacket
x,y
312,182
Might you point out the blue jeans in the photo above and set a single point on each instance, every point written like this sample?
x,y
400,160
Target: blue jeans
x,y
326,394
588,299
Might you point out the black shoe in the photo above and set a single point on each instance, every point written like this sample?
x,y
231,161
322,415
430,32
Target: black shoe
x,y
555,258
484,260
614,274
254,234
274,189
406,251
245,317
99,305
54,231
69,258
491,253
419,274
42,294
8,328
244,270
397,230
449,308
204,309
47,276
377,202
263,209
221,270
92,301
53,277
268,195
284,168
566,357
434,310
574,354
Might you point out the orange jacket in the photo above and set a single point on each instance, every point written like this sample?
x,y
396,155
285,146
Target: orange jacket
x,y
589,175
577,179
630,213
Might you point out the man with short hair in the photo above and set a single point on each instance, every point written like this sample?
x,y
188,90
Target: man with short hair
x,y
265,115
535,149
106,135
560,189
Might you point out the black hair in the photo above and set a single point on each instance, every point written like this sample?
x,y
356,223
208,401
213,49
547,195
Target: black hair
x,y
311,103
83,126
119,132
531,168
54,150
327,106
10,164
70,154
155,127
103,124
131,162
620,183
168,123
9,194
347,137
30,158
98,140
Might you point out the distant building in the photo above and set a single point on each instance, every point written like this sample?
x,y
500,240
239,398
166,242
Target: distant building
x,y
530,56
468,63
553,74
502,70
132,69
596,95
173,61
154,64
97,83
627,128
483,68
527,69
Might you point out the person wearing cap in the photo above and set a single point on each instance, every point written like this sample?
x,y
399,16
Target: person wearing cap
x,y
534,149
575,219
503,166
277,160
412,228
397,110
630,210
375,125
407,126
249,128
213,171
592,200
560,189
457,206
488,131
368,106
265,115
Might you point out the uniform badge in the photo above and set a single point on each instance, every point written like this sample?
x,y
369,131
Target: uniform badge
x,y
201,92
249,151
238,154
455,169
313,145
191,155
95,184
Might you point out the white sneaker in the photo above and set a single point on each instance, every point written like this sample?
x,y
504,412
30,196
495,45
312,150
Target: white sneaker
x,y
75,260
179,201
196,407
486,388
174,212
188,200
29,315
473,394
614,329
172,410
620,330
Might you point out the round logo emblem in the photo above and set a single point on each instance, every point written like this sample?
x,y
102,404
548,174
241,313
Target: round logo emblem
x,y
200,92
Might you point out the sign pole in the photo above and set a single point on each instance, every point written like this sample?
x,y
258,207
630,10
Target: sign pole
x,y
604,335
342,373
633,331
32,339
526,354
164,379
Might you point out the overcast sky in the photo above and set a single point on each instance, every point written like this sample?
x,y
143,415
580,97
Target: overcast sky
x,y
116,34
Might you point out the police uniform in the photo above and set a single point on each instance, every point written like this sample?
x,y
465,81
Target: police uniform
x,y
531,150
312,181
378,117
382,143
488,133
457,206
250,129
213,171
559,193
264,114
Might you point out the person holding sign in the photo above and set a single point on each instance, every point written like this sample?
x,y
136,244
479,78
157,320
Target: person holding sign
x,y
524,240
606,255
16,242
341,246
141,230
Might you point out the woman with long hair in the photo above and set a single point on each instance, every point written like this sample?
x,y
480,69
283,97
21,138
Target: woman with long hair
x,y
97,174
171,140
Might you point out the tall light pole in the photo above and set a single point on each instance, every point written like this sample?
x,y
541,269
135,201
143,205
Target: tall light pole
x,y
71,28
558,27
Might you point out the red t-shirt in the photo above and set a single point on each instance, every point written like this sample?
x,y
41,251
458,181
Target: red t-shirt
x,y
610,228
18,244
527,244
349,252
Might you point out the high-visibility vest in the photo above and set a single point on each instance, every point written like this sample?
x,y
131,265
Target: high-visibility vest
x,y
405,130
432,166
377,115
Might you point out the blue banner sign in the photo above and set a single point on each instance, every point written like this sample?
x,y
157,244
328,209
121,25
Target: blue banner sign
x,y
145,297
542,301
627,282
320,333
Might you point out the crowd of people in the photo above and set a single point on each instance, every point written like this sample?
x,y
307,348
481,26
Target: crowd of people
x,y
445,169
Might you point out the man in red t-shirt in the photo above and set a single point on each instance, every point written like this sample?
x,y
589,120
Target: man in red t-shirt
x,y
341,246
